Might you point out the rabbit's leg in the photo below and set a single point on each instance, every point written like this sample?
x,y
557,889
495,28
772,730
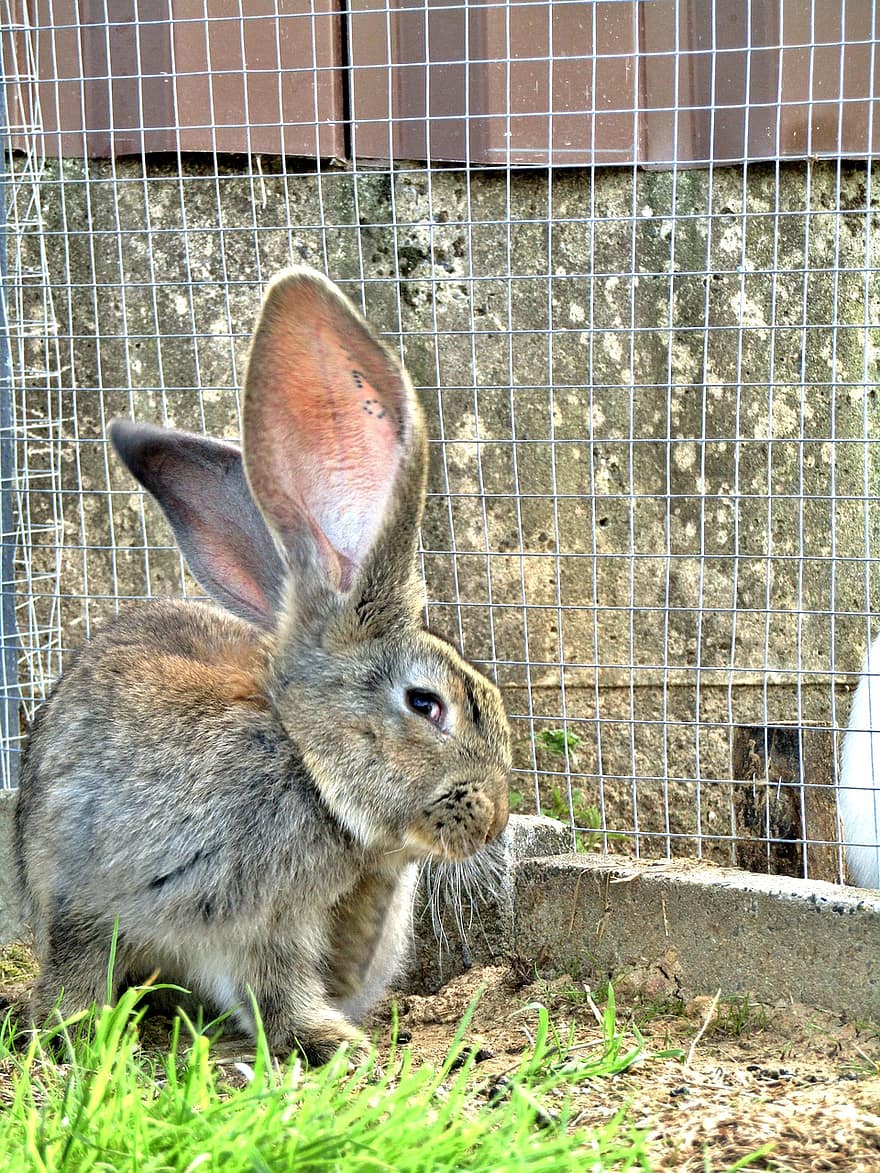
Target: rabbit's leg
x,y
293,1006
74,965
370,935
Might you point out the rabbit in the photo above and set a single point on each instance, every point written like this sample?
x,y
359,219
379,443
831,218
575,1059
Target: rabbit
x,y
244,794
858,793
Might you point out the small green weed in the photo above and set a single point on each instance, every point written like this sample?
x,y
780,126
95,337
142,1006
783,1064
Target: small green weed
x,y
862,1067
575,995
517,799
739,1016
617,1049
665,1006
585,814
734,1016
557,741
555,799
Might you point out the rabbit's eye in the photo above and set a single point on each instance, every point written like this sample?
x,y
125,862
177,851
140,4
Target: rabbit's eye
x,y
426,704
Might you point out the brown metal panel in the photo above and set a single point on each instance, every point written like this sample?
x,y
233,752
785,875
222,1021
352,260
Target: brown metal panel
x,y
764,80
584,80
530,82
705,67
102,77
829,104
404,109
525,83
62,87
266,83
657,82
741,91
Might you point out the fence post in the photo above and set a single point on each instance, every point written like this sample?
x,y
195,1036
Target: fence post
x,y
9,699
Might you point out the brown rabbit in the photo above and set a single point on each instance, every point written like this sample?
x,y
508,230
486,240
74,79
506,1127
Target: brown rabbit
x,y
249,791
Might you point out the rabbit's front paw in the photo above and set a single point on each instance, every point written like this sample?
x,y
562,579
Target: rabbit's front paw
x,y
319,1042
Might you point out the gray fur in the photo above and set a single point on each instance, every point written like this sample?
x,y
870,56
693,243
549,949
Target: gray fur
x,y
252,805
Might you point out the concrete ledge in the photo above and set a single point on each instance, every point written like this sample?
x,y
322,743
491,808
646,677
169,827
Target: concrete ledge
x,y
701,929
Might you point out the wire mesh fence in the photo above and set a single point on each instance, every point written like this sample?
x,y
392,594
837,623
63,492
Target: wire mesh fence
x,y
650,387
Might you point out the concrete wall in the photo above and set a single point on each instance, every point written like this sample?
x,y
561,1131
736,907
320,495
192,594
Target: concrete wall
x,y
585,405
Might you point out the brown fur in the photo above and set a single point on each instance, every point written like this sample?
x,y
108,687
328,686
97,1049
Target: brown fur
x,y
200,685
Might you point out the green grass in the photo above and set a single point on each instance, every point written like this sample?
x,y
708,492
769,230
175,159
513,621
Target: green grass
x,y
738,1016
90,1097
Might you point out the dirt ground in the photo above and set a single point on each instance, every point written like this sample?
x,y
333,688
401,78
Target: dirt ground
x,y
803,1082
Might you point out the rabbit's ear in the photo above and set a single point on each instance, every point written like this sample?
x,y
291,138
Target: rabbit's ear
x,y
202,489
333,438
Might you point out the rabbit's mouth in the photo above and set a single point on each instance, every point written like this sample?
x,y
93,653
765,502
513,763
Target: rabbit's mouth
x,y
459,823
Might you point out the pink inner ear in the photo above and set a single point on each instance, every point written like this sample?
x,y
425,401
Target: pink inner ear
x,y
229,566
326,419
344,451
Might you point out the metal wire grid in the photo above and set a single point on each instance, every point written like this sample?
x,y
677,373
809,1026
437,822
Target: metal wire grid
x,y
651,417
35,360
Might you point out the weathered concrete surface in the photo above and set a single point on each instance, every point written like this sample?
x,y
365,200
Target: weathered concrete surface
x,y
701,929
652,457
